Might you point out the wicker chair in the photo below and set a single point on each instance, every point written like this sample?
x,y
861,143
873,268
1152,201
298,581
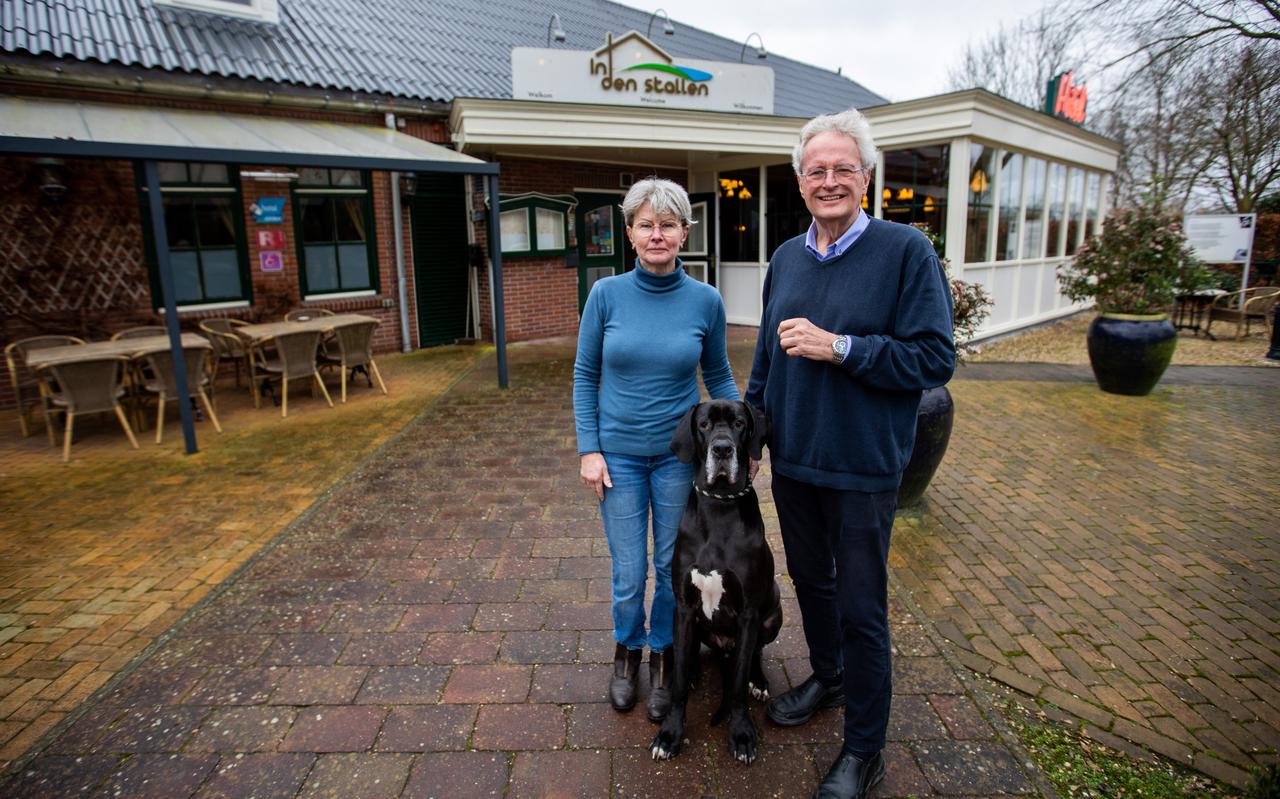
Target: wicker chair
x,y
1243,307
26,386
294,359
227,346
89,386
144,331
355,351
304,314
165,384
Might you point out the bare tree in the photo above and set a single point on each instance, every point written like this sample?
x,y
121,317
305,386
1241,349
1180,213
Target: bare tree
x,y
1163,28
1241,113
1017,62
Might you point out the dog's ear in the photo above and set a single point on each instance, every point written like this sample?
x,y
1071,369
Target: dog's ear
x,y
682,443
759,431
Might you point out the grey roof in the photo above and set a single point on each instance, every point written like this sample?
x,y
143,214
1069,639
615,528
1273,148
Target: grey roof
x,y
419,49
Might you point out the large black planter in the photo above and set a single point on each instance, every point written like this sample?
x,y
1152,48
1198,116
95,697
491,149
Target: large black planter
x,y
933,432
1129,353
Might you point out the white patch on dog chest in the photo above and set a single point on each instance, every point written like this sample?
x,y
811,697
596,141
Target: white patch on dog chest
x,y
711,586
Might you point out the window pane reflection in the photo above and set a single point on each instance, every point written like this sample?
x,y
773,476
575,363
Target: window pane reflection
x,y
597,227
740,215
1057,204
1034,217
915,187
1075,209
1010,206
981,189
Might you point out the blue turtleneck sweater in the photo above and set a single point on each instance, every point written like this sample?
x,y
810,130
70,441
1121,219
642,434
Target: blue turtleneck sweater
x,y
641,341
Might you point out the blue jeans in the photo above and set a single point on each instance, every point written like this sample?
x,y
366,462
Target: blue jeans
x,y
641,484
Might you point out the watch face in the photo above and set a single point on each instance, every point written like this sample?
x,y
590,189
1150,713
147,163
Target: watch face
x,y
840,346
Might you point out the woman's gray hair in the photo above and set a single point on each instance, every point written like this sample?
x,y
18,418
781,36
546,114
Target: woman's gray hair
x,y
664,197
851,123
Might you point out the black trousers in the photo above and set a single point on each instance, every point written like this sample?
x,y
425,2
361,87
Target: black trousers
x,y
837,547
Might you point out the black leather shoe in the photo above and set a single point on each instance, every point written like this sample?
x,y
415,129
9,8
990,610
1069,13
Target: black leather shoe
x,y
661,668
798,705
626,675
851,778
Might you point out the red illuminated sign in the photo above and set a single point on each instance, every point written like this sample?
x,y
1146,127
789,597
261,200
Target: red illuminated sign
x,y
1066,101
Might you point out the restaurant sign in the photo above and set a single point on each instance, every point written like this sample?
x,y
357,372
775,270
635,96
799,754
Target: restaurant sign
x,y
1065,100
632,70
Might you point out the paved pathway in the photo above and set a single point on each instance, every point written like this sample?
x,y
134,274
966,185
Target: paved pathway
x,y
1116,557
438,626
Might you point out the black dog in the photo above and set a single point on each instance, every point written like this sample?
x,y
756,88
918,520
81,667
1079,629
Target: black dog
x,y
722,575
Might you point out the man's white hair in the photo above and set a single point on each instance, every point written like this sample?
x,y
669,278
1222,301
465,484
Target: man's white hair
x,y
851,123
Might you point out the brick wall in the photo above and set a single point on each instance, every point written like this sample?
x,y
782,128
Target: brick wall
x,y
542,293
79,266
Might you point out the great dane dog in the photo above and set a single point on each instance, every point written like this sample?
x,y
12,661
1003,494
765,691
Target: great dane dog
x,y
722,575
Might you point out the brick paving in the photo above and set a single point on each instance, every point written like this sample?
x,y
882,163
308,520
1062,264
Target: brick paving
x,y
102,555
438,625
1114,557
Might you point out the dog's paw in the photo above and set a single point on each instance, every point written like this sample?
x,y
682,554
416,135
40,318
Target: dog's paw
x,y
760,692
666,745
742,741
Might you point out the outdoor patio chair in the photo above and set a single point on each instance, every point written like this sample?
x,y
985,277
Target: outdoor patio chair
x,y
26,385
355,351
89,386
304,314
140,332
227,346
1243,307
165,383
294,359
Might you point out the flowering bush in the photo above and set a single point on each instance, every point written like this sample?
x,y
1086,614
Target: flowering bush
x,y
970,303
1137,266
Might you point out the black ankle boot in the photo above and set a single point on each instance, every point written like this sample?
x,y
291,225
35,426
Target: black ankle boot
x,y
661,669
626,674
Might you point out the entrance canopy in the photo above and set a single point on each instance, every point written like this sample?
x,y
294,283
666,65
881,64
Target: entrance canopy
x,y
61,128
98,130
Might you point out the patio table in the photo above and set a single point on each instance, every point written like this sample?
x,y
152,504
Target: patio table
x,y
1189,312
128,347
254,334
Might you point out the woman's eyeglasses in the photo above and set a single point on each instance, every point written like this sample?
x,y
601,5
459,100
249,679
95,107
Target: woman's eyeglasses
x,y
668,229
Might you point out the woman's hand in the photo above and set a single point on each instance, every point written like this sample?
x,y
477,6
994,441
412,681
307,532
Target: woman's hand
x,y
595,474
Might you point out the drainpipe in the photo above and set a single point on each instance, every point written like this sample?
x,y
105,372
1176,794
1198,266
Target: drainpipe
x,y
398,229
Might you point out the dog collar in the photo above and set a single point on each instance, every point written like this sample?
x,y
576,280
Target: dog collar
x,y
724,497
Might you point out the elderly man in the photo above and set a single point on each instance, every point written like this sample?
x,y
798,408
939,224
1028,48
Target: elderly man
x,y
856,324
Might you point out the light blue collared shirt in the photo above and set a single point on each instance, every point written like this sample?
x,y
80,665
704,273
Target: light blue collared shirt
x,y
836,248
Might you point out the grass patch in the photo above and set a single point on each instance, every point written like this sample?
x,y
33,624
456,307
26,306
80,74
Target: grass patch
x,y
1081,768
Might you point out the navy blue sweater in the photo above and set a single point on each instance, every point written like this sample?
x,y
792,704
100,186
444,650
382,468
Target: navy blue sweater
x,y
852,425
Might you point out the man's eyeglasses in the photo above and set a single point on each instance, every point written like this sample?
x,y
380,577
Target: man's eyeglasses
x,y
669,229
843,174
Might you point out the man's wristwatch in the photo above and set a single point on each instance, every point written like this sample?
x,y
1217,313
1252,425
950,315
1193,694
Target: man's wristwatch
x,y
840,347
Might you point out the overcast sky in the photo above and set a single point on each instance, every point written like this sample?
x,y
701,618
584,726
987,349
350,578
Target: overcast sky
x,y
900,49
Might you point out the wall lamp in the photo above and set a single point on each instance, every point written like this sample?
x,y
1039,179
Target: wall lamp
x,y
52,178
760,51
667,27
554,31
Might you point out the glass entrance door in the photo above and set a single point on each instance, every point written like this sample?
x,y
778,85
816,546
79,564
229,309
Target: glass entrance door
x,y
600,240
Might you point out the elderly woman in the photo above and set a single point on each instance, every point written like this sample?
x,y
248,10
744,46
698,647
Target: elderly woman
x,y
643,336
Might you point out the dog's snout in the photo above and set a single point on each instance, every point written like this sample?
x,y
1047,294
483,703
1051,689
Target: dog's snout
x,y
722,450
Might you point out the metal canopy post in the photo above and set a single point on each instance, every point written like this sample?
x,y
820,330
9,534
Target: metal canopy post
x,y
161,235
495,257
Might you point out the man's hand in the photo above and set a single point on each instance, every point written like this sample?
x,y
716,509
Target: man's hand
x,y
753,466
595,474
800,337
